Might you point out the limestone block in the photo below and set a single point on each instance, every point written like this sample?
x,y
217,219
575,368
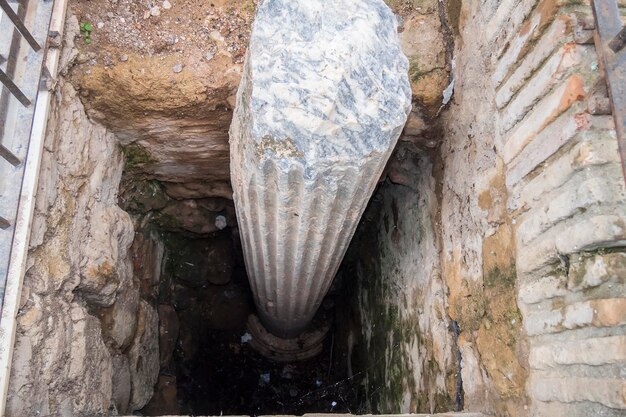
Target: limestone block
x,y
593,351
533,60
606,391
543,289
323,98
592,272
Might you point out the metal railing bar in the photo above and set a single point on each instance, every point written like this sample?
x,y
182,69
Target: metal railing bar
x,y
619,41
9,156
14,89
613,62
19,25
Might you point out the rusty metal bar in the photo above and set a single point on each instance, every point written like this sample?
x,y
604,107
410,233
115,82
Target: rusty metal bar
x,y
609,38
9,156
14,89
19,25
618,42
16,120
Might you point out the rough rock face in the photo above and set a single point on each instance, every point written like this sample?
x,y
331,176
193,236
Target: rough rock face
x,y
79,249
80,300
165,86
323,99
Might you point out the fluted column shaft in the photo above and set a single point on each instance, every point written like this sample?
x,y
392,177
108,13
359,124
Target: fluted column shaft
x,y
323,98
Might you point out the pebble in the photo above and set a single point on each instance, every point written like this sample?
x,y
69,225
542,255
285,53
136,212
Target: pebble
x,y
177,68
124,58
209,56
167,5
216,36
246,338
264,379
220,222
100,25
155,11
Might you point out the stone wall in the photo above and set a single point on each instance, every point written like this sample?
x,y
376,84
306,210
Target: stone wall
x,y
566,200
526,215
406,347
87,343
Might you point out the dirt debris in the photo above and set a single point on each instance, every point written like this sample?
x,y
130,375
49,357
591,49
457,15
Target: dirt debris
x,y
189,28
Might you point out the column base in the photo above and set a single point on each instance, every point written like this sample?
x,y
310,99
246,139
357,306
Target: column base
x,y
304,346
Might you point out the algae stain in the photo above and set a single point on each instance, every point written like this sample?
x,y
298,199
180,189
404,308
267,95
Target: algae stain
x,y
136,155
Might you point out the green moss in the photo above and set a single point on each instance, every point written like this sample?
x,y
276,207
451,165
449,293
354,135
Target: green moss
x,y
415,73
136,155
501,278
167,221
140,197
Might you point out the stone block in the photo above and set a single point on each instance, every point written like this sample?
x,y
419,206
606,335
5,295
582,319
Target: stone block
x,y
542,289
589,272
593,148
576,196
143,357
553,70
594,313
553,38
518,44
588,231
544,113
575,409
121,383
606,391
594,351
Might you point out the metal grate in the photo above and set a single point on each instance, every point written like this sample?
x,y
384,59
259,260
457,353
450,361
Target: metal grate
x,y
23,33
610,40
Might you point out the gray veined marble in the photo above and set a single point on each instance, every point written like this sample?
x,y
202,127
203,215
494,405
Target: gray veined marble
x,y
323,98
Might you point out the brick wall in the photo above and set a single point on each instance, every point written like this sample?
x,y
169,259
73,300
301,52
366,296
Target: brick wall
x,y
532,206
566,201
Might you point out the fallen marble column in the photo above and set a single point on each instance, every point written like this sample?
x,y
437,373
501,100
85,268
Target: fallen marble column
x,y
323,98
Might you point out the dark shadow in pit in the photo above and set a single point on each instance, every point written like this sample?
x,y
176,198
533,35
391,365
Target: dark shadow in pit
x,y
207,365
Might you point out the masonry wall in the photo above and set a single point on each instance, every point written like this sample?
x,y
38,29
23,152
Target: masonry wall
x,y
529,223
566,200
404,341
534,197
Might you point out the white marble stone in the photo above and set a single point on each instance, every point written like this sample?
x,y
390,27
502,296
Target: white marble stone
x,y
324,96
